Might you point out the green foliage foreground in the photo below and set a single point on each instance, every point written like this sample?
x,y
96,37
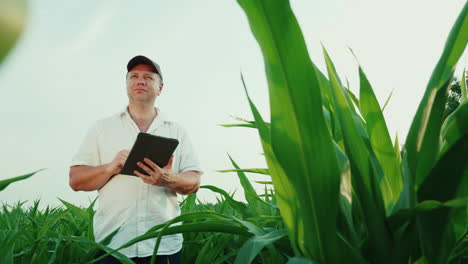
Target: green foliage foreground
x,y
407,206
64,234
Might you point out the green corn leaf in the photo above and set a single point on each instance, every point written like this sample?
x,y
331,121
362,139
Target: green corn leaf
x,y
207,226
56,249
240,207
252,227
300,260
346,221
212,248
354,254
363,169
264,182
43,231
5,183
455,127
91,212
254,170
422,142
353,98
460,253
391,184
300,139
75,209
240,125
8,239
403,216
408,194
250,194
284,191
210,222
224,259
327,106
105,241
255,244
436,226
325,89
397,149
460,222
119,256
387,101
188,204
343,161
454,162
407,243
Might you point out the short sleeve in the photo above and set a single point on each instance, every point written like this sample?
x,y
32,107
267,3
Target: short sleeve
x,y
188,157
88,152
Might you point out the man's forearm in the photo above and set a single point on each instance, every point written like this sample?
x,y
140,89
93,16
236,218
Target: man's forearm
x,y
186,182
88,178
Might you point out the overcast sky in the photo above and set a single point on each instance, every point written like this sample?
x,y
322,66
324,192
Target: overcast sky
x,y
68,69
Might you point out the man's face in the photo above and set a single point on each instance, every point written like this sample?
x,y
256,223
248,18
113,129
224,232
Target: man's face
x,y
143,85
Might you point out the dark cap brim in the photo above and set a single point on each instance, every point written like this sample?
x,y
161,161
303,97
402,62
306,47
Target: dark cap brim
x,y
146,61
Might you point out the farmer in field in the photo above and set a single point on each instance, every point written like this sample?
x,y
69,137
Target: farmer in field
x,y
135,204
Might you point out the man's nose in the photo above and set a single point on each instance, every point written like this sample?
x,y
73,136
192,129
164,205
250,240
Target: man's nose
x,y
141,80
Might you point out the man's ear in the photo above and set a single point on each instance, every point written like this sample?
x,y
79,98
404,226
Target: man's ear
x,y
161,85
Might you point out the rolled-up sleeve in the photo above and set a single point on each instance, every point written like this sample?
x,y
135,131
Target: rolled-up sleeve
x,y
188,157
88,152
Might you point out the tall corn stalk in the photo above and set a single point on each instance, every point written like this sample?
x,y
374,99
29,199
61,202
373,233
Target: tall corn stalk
x,y
407,206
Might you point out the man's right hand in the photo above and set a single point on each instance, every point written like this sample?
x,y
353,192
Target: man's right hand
x,y
90,178
118,162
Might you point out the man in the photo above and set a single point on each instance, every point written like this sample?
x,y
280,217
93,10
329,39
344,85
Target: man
x,y
135,204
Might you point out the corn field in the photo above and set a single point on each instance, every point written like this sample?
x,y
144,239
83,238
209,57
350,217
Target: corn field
x,y
341,190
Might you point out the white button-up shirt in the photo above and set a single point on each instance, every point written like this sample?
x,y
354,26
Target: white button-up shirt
x,y
126,201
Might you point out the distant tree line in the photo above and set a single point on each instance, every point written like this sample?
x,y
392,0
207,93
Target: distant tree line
x,y
454,95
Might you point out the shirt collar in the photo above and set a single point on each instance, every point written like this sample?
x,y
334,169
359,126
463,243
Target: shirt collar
x,y
157,122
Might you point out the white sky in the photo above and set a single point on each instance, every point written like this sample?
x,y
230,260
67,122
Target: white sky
x,y
68,69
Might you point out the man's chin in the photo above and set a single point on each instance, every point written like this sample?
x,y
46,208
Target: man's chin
x,y
141,99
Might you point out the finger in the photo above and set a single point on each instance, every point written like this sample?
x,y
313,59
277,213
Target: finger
x,y
152,164
121,156
145,168
124,153
144,177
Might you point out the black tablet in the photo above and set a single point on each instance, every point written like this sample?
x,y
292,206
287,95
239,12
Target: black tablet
x,y
156,148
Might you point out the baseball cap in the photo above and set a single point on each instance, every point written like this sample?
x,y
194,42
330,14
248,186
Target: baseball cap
x,y
144,60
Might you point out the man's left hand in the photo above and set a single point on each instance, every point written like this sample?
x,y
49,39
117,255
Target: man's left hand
x,y
155,174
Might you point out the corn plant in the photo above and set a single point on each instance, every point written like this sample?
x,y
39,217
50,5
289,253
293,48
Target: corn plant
x,y
407,206
44,236
229,231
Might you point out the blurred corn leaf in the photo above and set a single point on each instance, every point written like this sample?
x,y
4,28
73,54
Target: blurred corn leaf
x,y
12,22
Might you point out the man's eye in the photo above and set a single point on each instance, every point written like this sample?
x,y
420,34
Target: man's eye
x,y
149,77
